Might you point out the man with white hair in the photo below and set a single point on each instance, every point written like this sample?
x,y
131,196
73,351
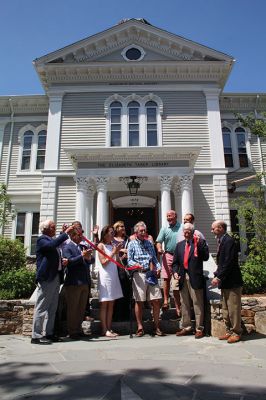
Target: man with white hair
x,y
188,269
141,253
48,262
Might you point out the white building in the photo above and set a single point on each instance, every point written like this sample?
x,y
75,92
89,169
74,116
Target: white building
x,y
133,100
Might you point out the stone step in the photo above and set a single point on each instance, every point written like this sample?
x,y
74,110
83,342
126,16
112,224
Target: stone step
x,y
147,314
123,328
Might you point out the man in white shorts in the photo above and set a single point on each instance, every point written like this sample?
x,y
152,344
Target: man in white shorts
x,y
141,252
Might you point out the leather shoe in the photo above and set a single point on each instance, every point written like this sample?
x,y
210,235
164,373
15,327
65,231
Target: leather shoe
x,y
234,339
226,336
183,332
42,340
199,334
158,332
53,338
74,337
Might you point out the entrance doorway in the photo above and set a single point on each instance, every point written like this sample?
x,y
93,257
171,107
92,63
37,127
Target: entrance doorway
x,y
131,216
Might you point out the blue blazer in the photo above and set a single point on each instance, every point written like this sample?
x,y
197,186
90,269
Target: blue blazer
x,y
78,269
195,264
47,256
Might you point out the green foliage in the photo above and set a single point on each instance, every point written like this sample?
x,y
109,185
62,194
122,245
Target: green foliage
x,y
6,209
256,125
17,284
254,276
12,255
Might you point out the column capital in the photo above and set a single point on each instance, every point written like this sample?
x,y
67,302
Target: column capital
x,y
165,182
186,182
81,182
212,93
177,188
90,190
101,182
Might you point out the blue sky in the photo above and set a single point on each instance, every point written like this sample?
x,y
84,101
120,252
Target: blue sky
x,y
32,28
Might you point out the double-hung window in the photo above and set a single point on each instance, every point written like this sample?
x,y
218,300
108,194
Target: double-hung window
x,y
235,147
133,123
27,229
32,149
228,153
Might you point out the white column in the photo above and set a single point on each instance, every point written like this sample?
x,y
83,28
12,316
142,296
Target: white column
x,y
186,194
53,131
165,183
102,209
81,200
89,210
215,129
178,200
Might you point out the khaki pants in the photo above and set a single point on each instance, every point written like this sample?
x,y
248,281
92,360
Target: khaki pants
x,y
188,294
76,297
231,305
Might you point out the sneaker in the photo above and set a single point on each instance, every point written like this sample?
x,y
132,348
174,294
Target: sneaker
x,y
42,340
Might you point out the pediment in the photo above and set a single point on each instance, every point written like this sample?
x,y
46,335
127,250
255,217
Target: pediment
x,y
107,46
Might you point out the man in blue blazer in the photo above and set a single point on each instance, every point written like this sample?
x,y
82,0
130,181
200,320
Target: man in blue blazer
x,y
77,282
188,269
229,279
48,260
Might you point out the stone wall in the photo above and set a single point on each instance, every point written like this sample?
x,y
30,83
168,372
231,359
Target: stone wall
x,y
16,316
253,316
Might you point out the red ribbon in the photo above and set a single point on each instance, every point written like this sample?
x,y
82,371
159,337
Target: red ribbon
x,y
135,267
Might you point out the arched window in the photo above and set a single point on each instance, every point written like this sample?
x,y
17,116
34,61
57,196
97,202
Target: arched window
x,y
27,150
115,123
41,147
228,153
151,123
133,123
241,147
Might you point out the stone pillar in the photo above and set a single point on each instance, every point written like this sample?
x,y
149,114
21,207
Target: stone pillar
x,y
215,129
89,210
81,200
102,209
165,184
221,200
178,200
53,131
186,194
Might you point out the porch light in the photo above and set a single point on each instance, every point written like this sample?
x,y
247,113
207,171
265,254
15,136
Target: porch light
x,y
133,186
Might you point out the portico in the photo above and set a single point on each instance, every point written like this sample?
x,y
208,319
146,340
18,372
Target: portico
x,y
169,173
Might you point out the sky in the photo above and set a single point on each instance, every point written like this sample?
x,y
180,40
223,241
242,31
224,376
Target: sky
x,y
32,28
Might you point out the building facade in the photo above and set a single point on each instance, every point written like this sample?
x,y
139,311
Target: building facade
x,y
132,101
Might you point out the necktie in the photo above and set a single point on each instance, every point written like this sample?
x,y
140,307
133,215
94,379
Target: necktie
x,y
218,245
186,255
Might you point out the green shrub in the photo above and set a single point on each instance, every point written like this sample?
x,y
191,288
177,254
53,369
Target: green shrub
x,y
17,284
12,255
254,276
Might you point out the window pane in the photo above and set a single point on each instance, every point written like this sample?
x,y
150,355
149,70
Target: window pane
x,y
41,150
228,159
33,245
242,151
20,230
228,155
35,223
115,127
133,104
116,104
25,163
152,138
115,118
151,104
133,138
151,115
115,139
26,153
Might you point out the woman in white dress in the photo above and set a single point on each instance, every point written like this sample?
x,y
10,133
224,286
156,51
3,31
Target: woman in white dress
x,y
109,284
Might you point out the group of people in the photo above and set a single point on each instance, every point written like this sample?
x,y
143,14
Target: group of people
x,y
182,250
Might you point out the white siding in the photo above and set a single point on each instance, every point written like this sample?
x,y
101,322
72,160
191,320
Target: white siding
x,y
184,122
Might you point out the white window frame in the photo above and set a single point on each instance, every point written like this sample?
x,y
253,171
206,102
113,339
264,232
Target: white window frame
x,y
34,147
142,118
28,210
233,137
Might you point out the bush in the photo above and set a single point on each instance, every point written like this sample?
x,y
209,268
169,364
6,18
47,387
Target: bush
x,y
12,255
17,284
254,276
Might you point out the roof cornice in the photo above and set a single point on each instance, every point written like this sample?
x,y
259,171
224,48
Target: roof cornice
x,y
34,104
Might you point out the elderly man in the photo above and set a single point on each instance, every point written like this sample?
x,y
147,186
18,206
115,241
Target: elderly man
x,y
141,253
76,282
169,237
229,280
48,262
188,269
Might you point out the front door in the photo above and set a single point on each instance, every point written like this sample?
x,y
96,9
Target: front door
x,y
130,216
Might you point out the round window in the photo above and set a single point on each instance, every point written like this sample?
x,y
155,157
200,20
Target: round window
x,y
133,54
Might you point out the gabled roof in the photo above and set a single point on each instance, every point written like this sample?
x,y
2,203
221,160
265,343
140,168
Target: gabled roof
x,y
82,61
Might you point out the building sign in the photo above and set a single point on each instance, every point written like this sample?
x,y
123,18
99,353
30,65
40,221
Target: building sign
x,y
134,164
